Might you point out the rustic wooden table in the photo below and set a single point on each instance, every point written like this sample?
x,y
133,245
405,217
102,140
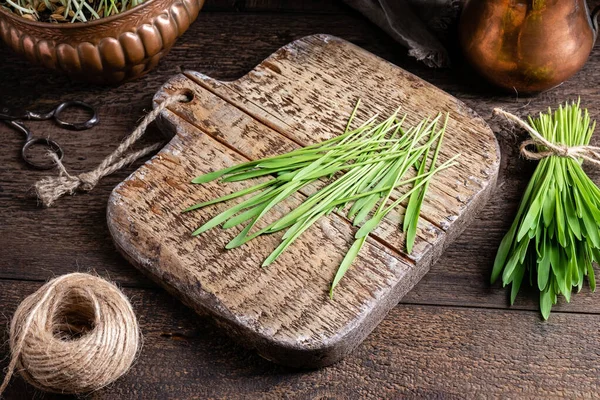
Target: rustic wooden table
x,y
452,336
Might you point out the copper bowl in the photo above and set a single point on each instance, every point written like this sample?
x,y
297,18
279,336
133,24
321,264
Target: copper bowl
x,y
106,51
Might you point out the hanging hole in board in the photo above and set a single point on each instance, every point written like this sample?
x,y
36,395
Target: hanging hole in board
x,y
36,153
187,93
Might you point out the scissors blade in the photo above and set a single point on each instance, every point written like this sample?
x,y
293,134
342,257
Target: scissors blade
x,y
6,114
16,125
10,118
9,114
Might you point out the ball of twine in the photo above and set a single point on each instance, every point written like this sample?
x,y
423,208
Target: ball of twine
x,y
76,334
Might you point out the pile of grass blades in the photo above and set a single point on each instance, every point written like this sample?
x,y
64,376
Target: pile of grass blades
x,y
361,169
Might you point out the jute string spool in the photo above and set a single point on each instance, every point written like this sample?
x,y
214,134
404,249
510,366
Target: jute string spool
x,y
590,154
50,189
76,334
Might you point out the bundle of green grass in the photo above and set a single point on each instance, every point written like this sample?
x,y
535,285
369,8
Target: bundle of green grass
x,y
67,11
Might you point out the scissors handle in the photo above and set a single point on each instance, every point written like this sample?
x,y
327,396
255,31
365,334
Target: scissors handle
x,y
9,115
49,144
56,115
12,119
81,126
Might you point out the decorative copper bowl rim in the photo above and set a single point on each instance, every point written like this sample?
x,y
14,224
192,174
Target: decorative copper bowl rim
x,y
76,25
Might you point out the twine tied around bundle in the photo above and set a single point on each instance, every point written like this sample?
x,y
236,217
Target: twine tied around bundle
x,y
590,154
50,189
76,334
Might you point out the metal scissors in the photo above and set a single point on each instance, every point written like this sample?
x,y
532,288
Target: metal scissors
x,y
13,119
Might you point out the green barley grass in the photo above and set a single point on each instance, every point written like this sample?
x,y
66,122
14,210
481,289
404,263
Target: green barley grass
x,y
555,237
361,169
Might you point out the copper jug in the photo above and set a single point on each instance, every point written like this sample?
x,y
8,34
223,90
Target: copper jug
x,y
528,45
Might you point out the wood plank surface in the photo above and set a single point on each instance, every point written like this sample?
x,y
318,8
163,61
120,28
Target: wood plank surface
x,y
475,356
300,95
279,6
36,244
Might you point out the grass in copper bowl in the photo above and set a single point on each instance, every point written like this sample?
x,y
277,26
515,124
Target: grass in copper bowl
x,y
67,11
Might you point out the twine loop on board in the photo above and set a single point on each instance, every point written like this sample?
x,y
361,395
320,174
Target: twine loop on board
x,y
50,189
76,334
590,154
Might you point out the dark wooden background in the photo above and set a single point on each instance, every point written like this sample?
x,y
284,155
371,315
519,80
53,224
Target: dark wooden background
x,y
453,336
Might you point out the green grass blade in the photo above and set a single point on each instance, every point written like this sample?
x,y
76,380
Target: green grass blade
x,y
346,263
231,196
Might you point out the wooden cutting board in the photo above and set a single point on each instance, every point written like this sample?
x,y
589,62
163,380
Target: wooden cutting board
x,y
303,93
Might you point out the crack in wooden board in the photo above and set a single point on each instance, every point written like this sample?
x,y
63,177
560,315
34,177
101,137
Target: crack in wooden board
x,y
283,311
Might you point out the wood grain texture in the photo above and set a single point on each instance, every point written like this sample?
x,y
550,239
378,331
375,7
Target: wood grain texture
x,y
280,6
416,352
302,94
194,359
